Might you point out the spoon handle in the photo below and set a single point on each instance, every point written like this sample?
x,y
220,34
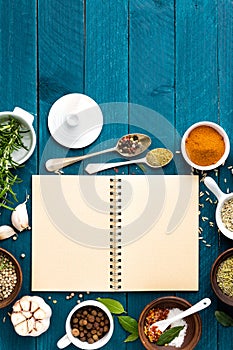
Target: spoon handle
x,y
96,167
202,304
213,187
55,164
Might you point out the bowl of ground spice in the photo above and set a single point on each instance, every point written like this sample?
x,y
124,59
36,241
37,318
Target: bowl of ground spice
x,y
10,278
221,277
205,145
165,308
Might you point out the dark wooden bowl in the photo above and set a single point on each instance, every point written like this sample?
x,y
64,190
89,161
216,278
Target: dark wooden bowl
x,y
15,292
213,277
194,329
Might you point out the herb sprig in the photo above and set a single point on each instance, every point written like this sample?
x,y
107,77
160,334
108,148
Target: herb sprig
x,y
10,141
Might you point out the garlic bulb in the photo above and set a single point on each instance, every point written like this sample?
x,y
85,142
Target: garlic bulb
x,y
6,232
19,217
31,316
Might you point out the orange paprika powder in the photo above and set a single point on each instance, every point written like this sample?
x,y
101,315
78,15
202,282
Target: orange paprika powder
x,y
204,145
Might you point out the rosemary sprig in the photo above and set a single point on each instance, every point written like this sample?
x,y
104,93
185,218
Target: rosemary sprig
x,y
10,141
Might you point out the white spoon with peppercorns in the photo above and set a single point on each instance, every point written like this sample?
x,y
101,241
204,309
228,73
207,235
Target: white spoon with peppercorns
x,y
156,158
129,146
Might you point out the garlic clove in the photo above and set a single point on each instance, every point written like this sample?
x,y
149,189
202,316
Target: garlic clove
x,y
39,326
17,317
22,328
25,303
34,306
39,314
19,217
6,232
31,324
17,307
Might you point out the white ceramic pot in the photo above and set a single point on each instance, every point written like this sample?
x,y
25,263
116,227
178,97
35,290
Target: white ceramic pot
x,y
29,136
68,338
222,198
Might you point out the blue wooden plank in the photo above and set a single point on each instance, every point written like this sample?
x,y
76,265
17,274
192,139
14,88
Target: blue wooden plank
x,y
196,100
18,87
61,65
225,25
106,81
61,71
151,93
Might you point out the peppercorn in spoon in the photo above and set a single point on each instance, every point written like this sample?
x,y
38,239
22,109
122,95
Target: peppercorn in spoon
x,y
156,158
129,146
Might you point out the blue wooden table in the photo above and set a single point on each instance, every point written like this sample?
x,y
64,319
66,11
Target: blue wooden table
x,y
133,57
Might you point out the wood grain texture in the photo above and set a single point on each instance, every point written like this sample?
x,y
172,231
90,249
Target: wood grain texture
x,y
18,87
106,81
61,64
196,100
225,68
151,93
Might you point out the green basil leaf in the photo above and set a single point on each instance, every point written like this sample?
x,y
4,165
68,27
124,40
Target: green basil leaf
x,y
131,337
129,324
224,319
167,336
114,306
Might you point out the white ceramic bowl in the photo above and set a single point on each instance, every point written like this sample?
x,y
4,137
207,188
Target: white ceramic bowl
x,y
221,131
222,198
68,338
29,138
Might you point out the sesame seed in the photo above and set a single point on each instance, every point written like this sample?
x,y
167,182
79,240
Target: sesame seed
x,y
177,152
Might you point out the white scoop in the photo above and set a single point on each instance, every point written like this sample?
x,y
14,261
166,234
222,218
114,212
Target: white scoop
x,y
162,325
222,197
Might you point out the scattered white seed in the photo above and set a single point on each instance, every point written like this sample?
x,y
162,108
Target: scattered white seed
x,y
207,193
72,294
230,167
177,152
4,319
22,255
200,237
228,190
78,301
204,241
55,301
204,218
80,296
67,297
49,297
225,180
14,238
88,292
201,194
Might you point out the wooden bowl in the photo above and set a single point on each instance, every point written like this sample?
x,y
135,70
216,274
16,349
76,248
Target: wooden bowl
x,y
213,277
194,329
15,292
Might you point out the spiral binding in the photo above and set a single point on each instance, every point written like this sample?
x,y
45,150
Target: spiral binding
x,y
115,233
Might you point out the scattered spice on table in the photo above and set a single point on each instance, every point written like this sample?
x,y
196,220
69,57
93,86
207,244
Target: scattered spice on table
x,y
227,214
204,145
159,156
8,277
225,276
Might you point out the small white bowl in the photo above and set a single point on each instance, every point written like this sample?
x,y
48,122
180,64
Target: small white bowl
x,y
221,131
222,198
68,338
29,138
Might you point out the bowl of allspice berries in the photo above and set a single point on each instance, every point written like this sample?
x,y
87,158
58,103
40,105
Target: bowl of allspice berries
x,y
89,325
10,278
205,145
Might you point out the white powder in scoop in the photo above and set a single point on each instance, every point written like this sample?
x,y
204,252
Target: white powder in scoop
x,y
178,341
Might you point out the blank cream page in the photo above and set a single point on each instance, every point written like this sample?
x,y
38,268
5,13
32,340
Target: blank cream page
x,y
159,235
70,233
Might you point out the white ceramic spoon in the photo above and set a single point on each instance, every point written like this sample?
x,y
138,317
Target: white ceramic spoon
x,y
96,167
162,325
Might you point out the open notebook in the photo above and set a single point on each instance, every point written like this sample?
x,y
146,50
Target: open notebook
x,y
108,233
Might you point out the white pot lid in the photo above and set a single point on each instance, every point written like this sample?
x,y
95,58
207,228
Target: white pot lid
x,y
75,120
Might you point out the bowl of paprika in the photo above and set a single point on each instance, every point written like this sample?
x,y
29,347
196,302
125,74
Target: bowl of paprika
x,y
205,145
